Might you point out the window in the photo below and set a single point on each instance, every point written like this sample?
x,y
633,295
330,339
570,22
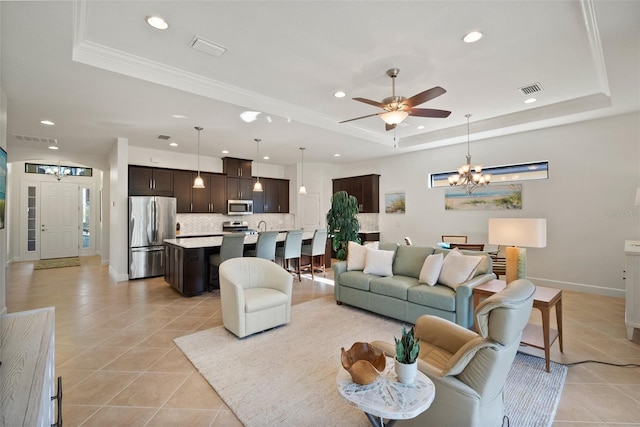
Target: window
x,y
86,218
31,219
58,170
505,174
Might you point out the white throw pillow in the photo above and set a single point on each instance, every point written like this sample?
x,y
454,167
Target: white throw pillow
x,y
458,268
379,262
356,255
431,269
372,245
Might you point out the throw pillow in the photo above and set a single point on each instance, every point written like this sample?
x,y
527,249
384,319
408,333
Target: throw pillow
x,y
356,255
379,262
431,269
457,269
372,245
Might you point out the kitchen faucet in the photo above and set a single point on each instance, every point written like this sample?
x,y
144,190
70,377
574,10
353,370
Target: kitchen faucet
x,y
265,225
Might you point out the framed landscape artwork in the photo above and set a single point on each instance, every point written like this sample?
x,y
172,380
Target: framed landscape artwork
x,y
394,202
3,184
491,197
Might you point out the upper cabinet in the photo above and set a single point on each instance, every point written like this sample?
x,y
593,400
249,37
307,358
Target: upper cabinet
x,y
210,199
274,198
365,188
146,181
236,168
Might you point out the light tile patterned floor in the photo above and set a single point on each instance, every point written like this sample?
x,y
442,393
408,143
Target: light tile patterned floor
x,y
120,367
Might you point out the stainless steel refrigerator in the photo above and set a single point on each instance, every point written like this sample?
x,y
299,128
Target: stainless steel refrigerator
x,y
151,220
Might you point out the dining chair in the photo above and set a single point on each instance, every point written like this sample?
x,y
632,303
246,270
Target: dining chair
x,y
454,239
232,247
468,246
291,250
315,251
265,246
407,241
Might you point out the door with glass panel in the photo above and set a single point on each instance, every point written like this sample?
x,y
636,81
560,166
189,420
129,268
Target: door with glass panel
x,y
59,219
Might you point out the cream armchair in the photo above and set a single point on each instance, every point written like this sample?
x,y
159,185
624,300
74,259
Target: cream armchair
x,y
470,369
255,295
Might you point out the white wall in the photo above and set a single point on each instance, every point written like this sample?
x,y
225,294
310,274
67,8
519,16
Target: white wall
x,y
3,232
118,211
588,199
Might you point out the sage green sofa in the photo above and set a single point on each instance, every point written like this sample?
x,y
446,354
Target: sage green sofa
x,y
401,296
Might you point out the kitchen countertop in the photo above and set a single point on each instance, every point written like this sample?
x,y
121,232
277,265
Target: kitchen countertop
x,y
216,241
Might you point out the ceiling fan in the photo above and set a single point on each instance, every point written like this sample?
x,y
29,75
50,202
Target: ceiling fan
x,y
398,108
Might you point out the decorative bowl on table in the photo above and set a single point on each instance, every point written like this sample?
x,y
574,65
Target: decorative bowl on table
x,y
364,362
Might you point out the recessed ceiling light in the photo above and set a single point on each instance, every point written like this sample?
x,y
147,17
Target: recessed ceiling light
x,y
157,22
265,158
249,116
530,100
472,37
47,122
420,127
336,155
179,116
173,144
225,151
53,147
339,94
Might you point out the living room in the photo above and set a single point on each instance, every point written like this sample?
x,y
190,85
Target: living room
x,y
588,200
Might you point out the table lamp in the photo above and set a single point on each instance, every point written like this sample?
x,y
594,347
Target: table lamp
x,y
517,234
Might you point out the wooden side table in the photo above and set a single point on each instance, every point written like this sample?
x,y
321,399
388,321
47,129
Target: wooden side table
x,y
544,299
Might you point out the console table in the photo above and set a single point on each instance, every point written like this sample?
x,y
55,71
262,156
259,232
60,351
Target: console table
x,y
544,299
386,397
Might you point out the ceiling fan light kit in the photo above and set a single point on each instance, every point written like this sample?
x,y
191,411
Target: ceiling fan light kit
x,y
398,108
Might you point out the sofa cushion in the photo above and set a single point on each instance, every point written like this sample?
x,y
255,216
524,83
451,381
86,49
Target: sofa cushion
x,y
458,268
438,296
379,262
356,280
409,260
356,256
431,269
393,286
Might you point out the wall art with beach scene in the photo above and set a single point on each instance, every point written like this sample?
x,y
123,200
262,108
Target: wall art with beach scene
x,y
394,202
491,197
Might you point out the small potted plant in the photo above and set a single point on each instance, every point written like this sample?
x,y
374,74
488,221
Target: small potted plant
x,y
406,361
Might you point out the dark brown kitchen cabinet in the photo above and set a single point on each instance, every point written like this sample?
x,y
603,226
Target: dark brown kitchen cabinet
x,y
147,181
365,188
211,199
274,197
236,168
186,270
239,189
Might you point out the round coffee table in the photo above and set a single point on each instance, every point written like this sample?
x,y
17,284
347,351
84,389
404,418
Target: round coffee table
x,y
386,397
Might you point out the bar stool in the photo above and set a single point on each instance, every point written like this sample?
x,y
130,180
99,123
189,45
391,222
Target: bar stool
x,y
291,250
232,247
265,246
315,251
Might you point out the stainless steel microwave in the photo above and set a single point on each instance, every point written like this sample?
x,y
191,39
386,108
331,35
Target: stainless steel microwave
x,y
239,207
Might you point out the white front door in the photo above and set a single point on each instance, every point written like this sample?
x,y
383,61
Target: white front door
x,y
310,212
59,220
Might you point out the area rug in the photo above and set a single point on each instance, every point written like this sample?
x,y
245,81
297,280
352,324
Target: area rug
x,y
57,263
287,376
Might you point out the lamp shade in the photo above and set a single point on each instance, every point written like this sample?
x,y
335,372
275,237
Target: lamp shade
x,y
524,232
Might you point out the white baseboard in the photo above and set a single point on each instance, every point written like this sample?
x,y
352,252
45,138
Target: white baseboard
x,y
579,287
118,277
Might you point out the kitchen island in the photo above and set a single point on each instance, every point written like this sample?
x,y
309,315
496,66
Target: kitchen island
x,y
187,269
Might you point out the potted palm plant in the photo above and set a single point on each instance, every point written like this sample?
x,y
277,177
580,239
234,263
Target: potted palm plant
x,y
342,222
406,361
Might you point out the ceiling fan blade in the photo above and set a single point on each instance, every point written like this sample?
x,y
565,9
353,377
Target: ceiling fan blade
x,y
429,112
363,117
370,102
425,96
388,127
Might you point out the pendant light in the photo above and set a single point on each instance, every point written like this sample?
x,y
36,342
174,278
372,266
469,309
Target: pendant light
x,y
257,187
198,182
303,189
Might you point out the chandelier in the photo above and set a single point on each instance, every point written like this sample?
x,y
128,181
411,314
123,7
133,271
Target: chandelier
x,y
58,172
467,177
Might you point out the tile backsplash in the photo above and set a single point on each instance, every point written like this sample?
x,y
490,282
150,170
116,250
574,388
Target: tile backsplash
x,y
199,224
368,221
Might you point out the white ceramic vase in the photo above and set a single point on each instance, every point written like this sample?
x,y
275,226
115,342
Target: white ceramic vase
x,y
406,373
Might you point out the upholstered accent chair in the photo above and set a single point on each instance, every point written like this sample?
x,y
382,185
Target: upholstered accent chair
x,y
255,294
470,369
291,250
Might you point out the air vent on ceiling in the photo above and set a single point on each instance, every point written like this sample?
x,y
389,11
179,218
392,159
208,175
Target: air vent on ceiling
x,y
25,138
208,47
532,88
165,137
